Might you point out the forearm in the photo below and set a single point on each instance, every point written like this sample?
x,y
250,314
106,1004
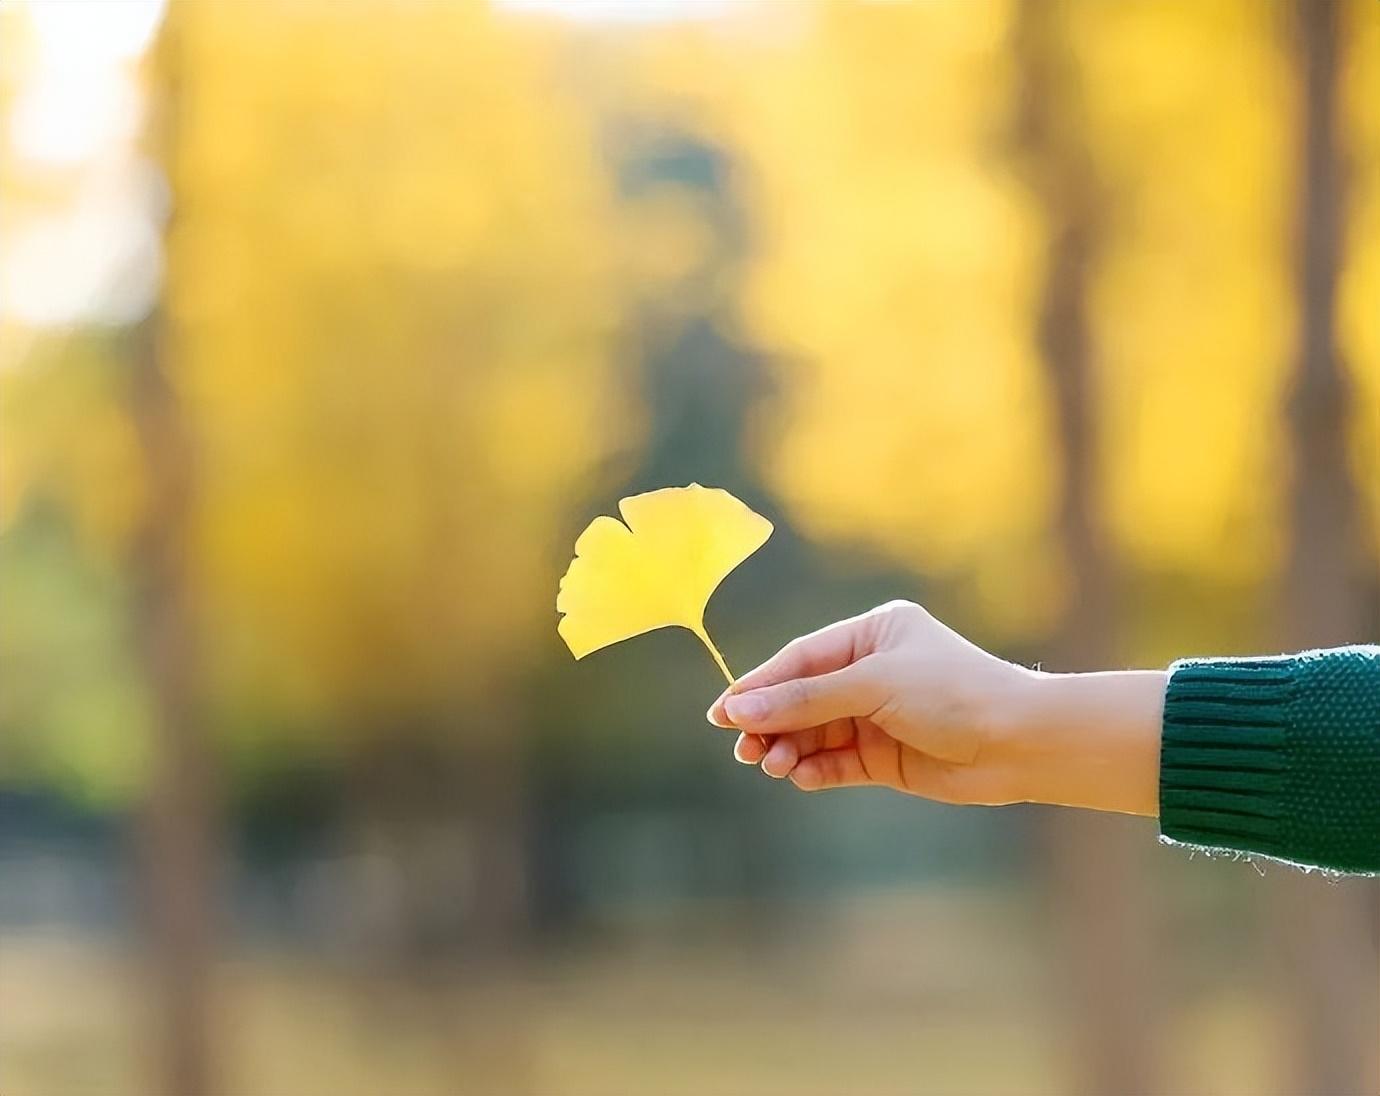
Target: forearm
x,y
1275,756
1089,740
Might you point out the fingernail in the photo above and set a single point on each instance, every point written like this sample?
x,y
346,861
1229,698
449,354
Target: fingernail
x,y
715,718
746,707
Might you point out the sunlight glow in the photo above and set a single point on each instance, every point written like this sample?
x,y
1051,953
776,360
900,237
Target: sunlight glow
x,y
82,243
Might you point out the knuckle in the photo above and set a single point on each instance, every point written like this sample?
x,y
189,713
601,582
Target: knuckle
x,y
795,646
799,692
903,610
895,618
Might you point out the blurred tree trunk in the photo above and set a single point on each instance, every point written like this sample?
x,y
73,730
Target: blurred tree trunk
x,y
1097,889
180,836
178,825
1325,933
447,826
179,828
499,1045
489,774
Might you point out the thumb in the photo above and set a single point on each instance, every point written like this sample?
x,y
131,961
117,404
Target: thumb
x,y
828,649
804,702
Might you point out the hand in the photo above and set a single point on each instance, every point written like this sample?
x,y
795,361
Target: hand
x,y
895,698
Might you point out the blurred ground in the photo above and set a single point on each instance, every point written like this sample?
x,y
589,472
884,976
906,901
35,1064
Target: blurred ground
x,y
881,995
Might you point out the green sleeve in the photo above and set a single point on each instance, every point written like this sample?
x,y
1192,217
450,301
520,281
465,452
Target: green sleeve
x,y
1276,756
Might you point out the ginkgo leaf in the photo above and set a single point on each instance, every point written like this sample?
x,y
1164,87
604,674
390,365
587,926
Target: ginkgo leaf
x,y
658,570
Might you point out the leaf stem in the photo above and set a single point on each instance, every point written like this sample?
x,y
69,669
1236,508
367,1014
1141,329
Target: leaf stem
x,y
718,658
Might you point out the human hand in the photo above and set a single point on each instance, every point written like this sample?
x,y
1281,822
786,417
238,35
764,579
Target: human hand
x,y
895,698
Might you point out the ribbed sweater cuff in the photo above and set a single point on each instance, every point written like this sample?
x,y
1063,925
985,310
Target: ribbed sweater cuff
x,y
1223,753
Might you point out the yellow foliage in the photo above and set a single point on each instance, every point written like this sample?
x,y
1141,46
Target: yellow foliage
x,y
896,275
894,278
658,570
1359,291
391,317
64,437
670,248
1192,308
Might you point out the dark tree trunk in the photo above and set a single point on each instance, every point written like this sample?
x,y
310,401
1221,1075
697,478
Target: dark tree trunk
x,y
499,1047
179,829
179,824
1095,884
1325,935
449,825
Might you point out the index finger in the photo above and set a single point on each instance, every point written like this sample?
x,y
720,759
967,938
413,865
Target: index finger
x,y
821,652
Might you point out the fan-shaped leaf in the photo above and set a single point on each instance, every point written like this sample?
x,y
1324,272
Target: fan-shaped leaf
x,y
658,570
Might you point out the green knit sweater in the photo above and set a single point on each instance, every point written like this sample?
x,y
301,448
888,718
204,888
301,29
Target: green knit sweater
x,y
1277,756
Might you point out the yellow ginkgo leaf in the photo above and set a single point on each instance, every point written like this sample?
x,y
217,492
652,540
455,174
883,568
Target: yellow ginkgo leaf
x,y
658,570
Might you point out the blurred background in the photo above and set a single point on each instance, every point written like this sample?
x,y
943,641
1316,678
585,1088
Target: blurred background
x,y
327,326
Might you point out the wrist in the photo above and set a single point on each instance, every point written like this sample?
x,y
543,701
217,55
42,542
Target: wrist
x,y
1086,740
